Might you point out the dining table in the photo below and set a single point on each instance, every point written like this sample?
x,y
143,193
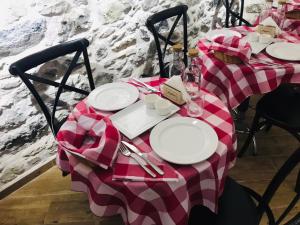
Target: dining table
x,y
166,199
234,83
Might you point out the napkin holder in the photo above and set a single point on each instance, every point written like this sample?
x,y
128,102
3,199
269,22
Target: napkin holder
x,y
229,59
294,15
172,94
270,30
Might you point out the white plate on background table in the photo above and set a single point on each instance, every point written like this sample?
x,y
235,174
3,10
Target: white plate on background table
x,y
137,118
256,46
183,140
113,96
210,35
284,51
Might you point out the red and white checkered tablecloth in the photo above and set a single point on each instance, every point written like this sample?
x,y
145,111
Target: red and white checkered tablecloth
x,y
233,83
160,203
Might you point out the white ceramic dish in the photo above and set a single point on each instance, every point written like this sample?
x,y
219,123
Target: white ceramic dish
x,y
210,35
183,140
284,51
258,47
113,96
137,118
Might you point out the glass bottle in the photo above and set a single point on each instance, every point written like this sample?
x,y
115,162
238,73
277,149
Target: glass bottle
x,y
177,65
192,74
266,10
281,11
269,4
281,5
192,80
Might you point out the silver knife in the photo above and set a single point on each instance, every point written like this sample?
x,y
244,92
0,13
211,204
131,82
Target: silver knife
x,y
137,151
145,85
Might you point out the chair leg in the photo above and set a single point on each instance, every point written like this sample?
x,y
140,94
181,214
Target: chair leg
x,y
64,173
268,127
254,146
297,187
252,131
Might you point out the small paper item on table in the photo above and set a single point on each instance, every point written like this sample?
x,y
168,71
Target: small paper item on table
x,y
174,90
268,26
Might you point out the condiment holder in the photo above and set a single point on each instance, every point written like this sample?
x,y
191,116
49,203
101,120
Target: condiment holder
x,y
270,30
172,94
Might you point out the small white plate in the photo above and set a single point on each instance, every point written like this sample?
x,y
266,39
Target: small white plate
x,y
183,140
284,51
113,96
137,118
210,35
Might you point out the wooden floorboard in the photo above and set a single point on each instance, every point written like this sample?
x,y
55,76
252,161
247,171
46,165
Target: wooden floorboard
x,y
48,199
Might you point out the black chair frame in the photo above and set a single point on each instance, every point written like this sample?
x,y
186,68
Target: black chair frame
x,y
259,124
21,66
179,11
275,183
262,201
239,16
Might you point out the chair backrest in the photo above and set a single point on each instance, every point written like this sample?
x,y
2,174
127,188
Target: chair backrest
x,y
232,16
20,67
158,18
283,172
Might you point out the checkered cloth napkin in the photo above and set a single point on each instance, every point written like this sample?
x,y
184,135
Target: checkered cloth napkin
x,y
90,136
233,46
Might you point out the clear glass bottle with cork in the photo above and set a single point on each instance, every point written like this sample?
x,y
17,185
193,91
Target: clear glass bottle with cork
x,y
192,81
177,66
192,74
280,7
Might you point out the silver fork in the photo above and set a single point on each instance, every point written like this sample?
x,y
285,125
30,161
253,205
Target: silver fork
x,y
123,149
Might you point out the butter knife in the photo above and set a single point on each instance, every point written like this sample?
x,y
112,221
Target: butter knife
x,y
137,151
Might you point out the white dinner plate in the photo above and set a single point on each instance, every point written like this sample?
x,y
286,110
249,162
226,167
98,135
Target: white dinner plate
x,y
210,35
113,96
284,51
183,140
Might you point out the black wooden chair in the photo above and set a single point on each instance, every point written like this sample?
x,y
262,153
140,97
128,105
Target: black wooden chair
x,y
281,108
21,67
240,205
153,24
232,16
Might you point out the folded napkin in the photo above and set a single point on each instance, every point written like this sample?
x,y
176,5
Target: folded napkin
x,y
233,46
270,22
126,168
176,82
90,136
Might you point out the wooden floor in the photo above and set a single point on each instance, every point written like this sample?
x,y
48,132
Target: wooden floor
x,y
48,199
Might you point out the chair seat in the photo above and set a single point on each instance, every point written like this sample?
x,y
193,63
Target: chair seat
x,y
282,106
236,207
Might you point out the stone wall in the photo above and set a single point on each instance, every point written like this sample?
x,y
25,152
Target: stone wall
x,y
121,46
